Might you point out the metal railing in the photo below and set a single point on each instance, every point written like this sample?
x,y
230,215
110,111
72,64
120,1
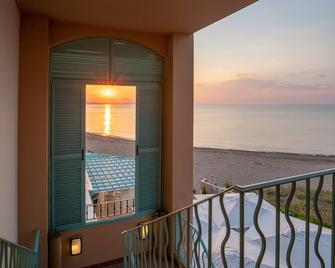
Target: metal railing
x,y
184,238
110,209
16,256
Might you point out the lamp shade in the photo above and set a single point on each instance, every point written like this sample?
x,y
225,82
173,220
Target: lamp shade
x,y
144,230
75,245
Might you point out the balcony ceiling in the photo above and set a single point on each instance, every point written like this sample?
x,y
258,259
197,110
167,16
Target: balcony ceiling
x,y
156,16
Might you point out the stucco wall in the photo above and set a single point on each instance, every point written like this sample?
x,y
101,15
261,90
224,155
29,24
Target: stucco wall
x,y
103,242
9,55
178,123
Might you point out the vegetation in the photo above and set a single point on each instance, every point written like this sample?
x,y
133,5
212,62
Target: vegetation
x,y
203,190
227,184
298,204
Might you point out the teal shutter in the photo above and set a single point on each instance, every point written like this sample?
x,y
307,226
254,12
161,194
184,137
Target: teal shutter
x,y
136,65
84,60
133,63
94,61
67,163
148,140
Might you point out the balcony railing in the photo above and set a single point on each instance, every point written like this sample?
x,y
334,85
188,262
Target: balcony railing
x,y
110,209
184,238
13,255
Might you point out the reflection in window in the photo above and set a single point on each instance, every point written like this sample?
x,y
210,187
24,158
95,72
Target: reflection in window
x,y
110,151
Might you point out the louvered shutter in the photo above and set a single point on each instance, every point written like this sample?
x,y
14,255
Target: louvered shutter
x,y
139,66
85,60
102,61
133,63
67,163
148,162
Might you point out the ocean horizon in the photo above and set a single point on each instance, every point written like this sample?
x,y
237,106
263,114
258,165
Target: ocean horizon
x,y
302,129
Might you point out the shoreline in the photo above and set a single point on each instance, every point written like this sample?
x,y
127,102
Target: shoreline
x,y
264,151
97,135
228,165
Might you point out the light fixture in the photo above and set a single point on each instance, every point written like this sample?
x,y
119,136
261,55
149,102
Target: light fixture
x,y
144,230
75,245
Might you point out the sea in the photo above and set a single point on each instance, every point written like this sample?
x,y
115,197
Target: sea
x,y
304,129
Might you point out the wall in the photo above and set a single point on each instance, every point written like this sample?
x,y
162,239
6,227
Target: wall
x,y
33,131
178,123
103,242
9,56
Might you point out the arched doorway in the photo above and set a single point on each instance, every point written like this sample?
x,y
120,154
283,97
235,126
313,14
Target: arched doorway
x,y
73,67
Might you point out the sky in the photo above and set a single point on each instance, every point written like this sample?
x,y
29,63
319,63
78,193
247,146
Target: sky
x,y
272,52
105,94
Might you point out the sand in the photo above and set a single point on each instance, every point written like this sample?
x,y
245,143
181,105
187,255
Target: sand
x,y
115,146
234,166
246,167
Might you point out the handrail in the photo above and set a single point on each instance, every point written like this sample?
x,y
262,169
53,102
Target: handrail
x,y
110,202
275,182
37,240
109,209
181,209
148,243
2,240
15,255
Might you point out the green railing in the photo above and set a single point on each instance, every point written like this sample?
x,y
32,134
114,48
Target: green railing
x,y
184,238
15,256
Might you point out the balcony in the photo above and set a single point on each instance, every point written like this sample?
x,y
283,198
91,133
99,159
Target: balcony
x,y
13,255
242,227
109,210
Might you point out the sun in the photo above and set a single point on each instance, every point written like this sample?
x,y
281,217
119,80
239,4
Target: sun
x,y
108,92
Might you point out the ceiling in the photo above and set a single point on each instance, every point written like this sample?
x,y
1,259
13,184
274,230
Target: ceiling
x,y
156,16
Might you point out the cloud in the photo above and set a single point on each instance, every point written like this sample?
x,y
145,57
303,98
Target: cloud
x,y
251,90
245,75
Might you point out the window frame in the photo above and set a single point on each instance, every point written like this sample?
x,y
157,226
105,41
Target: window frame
x,y
136,214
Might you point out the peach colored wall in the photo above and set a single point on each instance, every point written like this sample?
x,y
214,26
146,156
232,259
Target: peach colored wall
x,y
61,32
178,123
33,130
102,242
9,70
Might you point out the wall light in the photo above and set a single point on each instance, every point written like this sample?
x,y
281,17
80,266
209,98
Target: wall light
x,y
144,230
75,245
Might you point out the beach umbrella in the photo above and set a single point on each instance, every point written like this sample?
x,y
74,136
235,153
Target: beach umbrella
x,y
232,205
299,244
219,232
232,252
266,221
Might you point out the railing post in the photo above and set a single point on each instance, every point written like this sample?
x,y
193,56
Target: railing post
x,y
172,238
36,248
241,230
307,216
277,256
188,237
333,223
210,207
320,222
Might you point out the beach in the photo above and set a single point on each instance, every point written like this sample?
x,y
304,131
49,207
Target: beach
x,y
228,166
247,167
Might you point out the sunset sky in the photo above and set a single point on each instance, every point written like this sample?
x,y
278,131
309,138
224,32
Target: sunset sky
x,y
110,94
273,51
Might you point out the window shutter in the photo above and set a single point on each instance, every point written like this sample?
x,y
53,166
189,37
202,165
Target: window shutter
x,y
148,162
83,60
67,163
133,63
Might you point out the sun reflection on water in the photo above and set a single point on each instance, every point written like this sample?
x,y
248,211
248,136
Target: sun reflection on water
x,y
107,119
